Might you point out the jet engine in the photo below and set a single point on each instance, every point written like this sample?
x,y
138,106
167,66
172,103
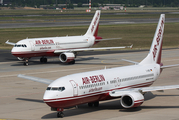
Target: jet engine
x,y
133,99
67,57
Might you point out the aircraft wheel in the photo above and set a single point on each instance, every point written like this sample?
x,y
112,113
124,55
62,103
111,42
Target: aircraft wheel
x,y
60,114
41,60
45,60
72,62
96,104
26,63
90,104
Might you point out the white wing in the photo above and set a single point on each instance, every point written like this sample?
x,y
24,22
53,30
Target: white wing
x,y
10,43
36,79
90,49
119,93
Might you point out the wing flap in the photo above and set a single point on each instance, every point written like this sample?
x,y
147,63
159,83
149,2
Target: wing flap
x,y
159,88
36,79
119,93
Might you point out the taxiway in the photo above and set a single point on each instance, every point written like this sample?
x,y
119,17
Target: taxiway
x,y
21,99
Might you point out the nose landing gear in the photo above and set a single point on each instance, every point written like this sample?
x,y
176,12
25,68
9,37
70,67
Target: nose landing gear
x,y
26,62
60,114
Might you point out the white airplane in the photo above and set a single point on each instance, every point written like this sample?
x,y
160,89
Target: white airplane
x,y
129,83
64,47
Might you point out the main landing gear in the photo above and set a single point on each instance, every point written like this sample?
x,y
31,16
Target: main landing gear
x,y
96,104
72,62
43,60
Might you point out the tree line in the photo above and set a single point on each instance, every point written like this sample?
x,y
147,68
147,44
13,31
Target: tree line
x,y
95,3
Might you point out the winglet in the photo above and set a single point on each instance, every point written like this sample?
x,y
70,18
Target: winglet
x,y
129,46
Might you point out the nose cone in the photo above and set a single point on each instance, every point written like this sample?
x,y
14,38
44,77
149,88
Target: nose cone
x,y
51,100
15,52
47,95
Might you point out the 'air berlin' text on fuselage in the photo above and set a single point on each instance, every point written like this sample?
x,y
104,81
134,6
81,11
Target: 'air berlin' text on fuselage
x,y
44,42
93,79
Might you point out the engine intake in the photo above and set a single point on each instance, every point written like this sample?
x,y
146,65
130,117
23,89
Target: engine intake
x,y
67,57
133,99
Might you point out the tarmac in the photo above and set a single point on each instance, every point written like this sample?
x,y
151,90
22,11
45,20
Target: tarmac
x,y
21,99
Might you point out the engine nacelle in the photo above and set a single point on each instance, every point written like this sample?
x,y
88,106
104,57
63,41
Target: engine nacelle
x,y
133,99
21,59
67,57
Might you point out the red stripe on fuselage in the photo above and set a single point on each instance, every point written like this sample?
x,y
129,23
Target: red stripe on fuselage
x,y
29,54
98,96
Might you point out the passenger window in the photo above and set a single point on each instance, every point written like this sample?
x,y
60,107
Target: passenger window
x,y
63,88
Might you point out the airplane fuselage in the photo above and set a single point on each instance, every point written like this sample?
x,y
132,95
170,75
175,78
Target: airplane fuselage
x,y
35,47
95,86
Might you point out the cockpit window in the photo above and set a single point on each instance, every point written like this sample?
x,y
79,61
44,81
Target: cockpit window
x,y
53,88
20,45
48,88
56,88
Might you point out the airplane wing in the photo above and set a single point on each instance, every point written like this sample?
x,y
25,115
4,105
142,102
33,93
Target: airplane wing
x,y
130,61
119,93
36,79
10,43
90,49
108,39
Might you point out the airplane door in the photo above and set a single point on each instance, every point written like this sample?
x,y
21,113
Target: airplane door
x,y
117,81
32,45
75,87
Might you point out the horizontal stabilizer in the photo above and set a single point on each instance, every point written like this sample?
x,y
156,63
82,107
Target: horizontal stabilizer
x,y
169,66
108,39
130,61
36,79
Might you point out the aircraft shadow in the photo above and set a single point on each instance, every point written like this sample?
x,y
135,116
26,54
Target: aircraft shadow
x,y
107,105
36,62
31,100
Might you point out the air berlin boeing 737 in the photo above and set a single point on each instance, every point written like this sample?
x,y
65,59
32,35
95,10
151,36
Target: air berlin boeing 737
x,y
64,47
129,83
